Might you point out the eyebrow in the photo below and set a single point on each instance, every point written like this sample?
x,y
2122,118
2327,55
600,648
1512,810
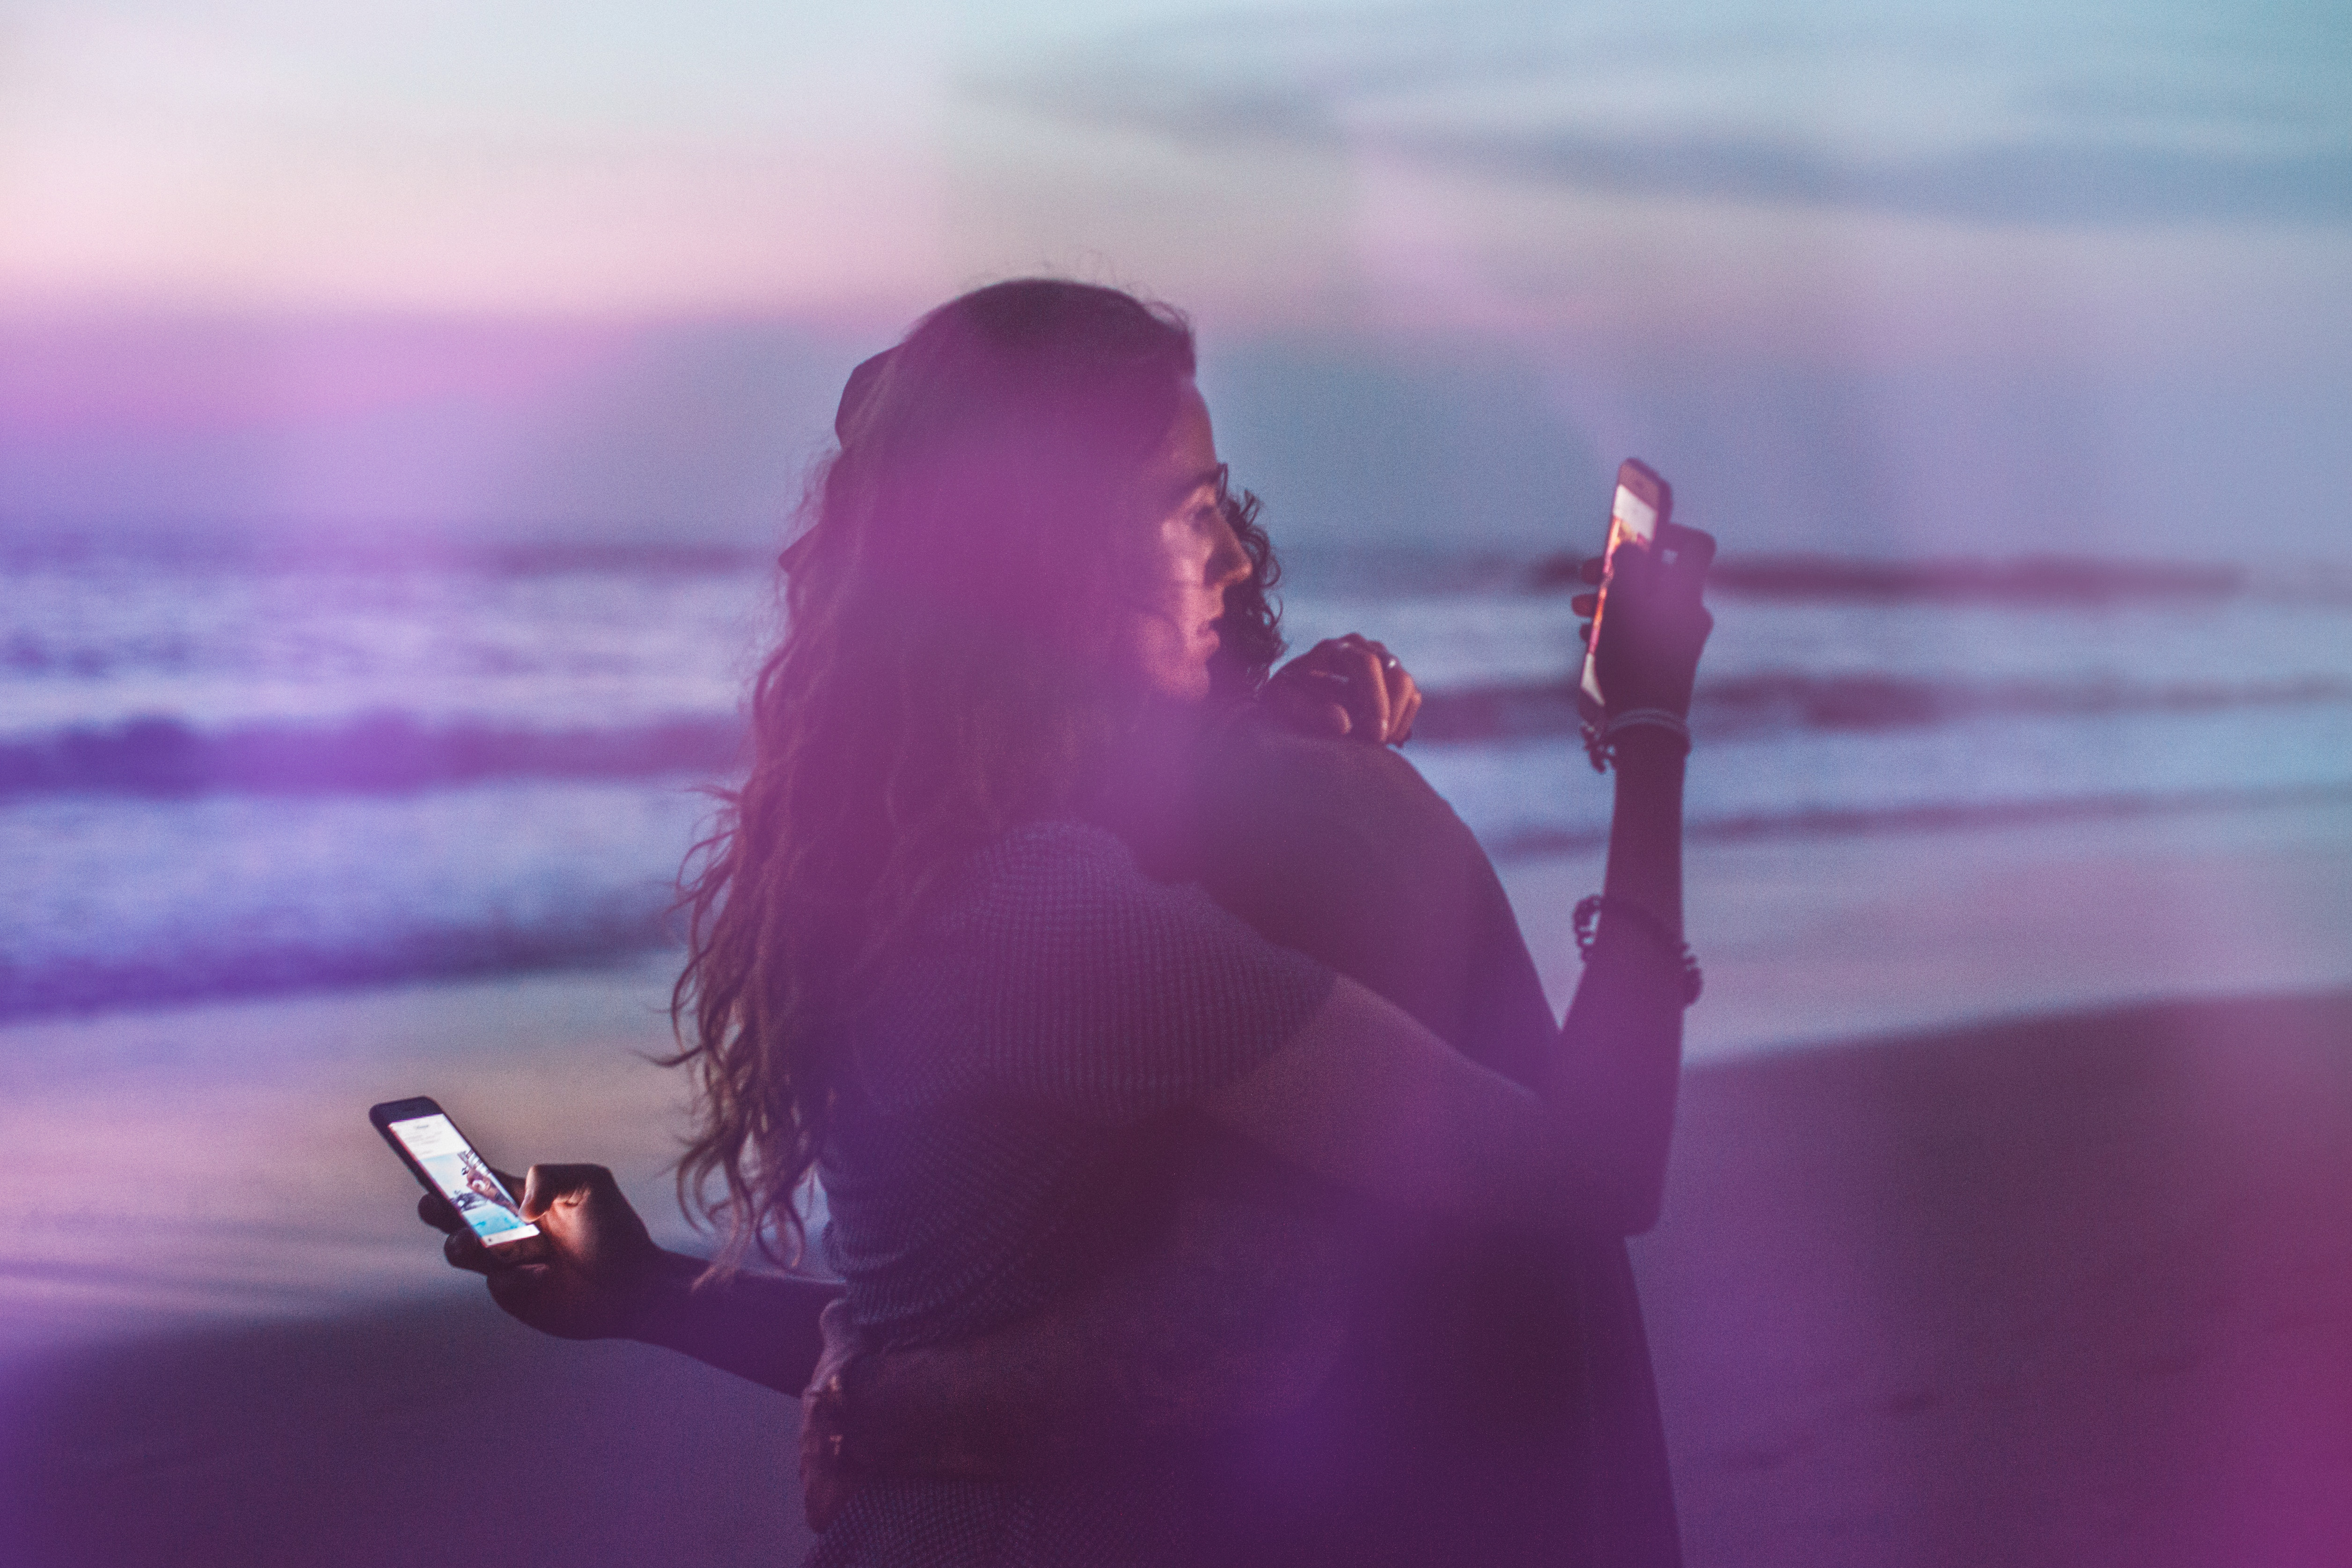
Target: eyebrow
x,y
1210,476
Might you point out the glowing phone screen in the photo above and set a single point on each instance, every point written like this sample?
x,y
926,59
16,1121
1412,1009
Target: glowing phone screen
x,y
465,1178
1634,520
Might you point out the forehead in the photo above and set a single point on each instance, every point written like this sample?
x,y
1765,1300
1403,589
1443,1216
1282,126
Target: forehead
x,y
1187,457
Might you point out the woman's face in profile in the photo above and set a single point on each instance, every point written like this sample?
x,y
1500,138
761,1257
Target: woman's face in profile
x,y
1189,558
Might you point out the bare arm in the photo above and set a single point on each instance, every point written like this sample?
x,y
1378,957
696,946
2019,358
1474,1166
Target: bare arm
x,y
763,1327
1367,1097
1622,1047
593,1273
1364,1096
1238,1314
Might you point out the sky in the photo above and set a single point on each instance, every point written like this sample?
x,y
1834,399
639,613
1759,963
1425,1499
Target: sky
x,y
1957,279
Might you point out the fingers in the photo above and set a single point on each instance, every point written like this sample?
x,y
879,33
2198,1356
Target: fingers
x,y
1389,700
435,1210
1589,569
548,1186
1315,701
1404,698
1315,694
1656,624
1368,688
464,1250
516,1288
1347,686
1401,730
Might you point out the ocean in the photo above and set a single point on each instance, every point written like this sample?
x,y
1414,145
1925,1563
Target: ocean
x,y
232,771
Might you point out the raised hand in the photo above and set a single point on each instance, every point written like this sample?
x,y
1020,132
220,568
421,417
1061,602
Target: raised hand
x,y
592,1273
1656,625
1347,686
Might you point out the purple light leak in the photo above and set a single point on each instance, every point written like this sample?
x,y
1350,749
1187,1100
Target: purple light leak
x,y
2071,1290
141,371
326,426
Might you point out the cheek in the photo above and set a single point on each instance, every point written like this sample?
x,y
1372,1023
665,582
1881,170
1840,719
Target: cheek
x,y
1170,659
1179,562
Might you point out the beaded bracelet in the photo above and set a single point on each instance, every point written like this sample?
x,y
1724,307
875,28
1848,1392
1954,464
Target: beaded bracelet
x,y
1587,922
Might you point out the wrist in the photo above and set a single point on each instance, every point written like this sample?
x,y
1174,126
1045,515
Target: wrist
x,y
1650,741
1611,928
1648,758
1639,731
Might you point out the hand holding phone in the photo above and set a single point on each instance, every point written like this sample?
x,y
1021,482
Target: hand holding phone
x,y
594,1272
1645,655
449,1166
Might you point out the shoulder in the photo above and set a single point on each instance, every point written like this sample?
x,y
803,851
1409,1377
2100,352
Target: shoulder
x,y
1054,897
1050,969
1040,872
1042,856
1260,779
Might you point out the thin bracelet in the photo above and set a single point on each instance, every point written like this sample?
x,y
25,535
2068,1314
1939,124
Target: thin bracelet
x,y
1601,740
1586,923
1648,718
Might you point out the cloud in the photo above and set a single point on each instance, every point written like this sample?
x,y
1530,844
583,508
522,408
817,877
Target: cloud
x,y
2069,117
2040,182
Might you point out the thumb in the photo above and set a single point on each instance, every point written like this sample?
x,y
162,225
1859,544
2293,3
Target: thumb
x,y
548,1185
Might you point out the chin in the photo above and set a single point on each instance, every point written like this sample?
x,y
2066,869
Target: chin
x,y
1183,683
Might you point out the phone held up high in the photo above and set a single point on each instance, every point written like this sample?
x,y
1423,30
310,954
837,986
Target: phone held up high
x,y
438,1155
1644,503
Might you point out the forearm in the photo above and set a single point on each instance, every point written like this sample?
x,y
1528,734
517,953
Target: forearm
x,y
1645,826
1621,1046
763,1327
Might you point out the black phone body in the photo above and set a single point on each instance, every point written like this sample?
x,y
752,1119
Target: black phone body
x,y
448,1166
1644,504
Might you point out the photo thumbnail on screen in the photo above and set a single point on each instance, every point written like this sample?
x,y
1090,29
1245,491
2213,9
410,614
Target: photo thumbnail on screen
x,y
465,1178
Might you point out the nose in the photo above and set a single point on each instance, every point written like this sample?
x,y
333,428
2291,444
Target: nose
x,y
1229,564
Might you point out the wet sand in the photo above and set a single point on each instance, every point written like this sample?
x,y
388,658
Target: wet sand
x,y
226,1339
2069,1288
415,1435
2071,1291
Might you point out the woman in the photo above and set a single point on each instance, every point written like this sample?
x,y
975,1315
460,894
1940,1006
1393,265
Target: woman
x,y
926,957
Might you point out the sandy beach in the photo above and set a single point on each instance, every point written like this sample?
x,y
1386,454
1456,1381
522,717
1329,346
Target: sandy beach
x,y
2069,1291
2034,1252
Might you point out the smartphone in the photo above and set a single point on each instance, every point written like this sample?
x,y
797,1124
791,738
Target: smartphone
x,y
1644,504
437,1154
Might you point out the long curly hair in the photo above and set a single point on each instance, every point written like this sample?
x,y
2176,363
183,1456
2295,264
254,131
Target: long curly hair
x,y
949,667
